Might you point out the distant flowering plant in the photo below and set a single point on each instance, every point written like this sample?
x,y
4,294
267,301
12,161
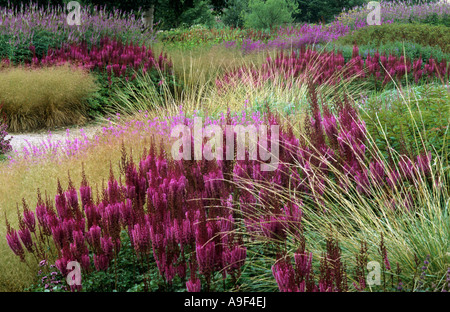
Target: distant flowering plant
x,y
22,25
399,11
286,38
331,67
111,56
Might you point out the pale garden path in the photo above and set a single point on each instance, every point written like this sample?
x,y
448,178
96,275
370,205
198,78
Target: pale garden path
x,y
24,140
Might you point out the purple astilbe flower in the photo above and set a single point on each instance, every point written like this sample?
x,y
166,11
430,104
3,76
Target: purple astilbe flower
x,y
85,191
29,220
332,272
393,178
407,168
377,172
101,262
424,163
14,242
303,265
61,265
273,227
362,181
107,246
384,254
141,238
59,236
330,126
25,237
78,247
61,203
292,215
93,236
92,214
193,285
85,262
206,258
284,275
44,216
235,257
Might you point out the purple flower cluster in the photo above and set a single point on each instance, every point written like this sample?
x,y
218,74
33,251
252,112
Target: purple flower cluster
x,y
301,278
112,56
330,67
298,37
399,11
21,23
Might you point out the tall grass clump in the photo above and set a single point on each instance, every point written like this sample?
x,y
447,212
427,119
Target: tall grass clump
x,y
44,98
194,88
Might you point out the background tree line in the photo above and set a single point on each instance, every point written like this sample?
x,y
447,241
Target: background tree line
x,y
236,13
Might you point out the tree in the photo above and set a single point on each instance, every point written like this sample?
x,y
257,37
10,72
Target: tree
x,y
233,12
269,13
200,13
313,11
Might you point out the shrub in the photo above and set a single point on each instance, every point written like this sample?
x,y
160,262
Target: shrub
x,y
323,10
200,13
269,13
43,98
232,15
418,33
411,50
423,123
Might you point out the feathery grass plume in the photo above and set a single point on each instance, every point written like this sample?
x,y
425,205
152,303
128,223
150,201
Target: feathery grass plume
x,y
52,97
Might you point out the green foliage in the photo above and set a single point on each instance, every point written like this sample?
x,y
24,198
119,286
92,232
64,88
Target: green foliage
x,y
269,13
124,272
200,13
435,19
233,13
421,113
42,40
423,34
411,50
100,103
323,10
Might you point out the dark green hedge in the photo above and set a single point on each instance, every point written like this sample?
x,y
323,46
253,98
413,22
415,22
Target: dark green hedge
x,y
423,34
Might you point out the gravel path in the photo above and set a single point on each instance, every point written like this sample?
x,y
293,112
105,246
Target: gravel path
x,y
21,140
